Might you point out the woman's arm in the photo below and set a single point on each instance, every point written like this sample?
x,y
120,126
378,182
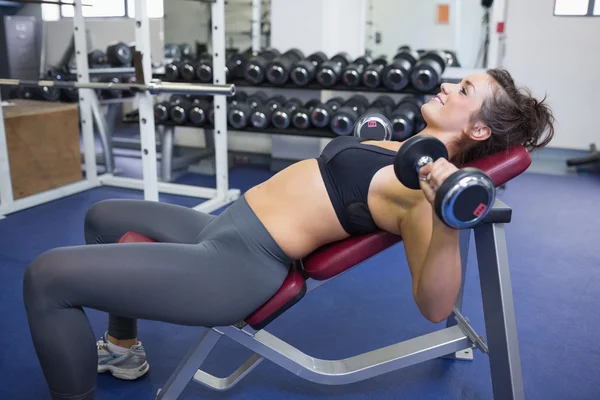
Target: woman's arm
x,y
432,251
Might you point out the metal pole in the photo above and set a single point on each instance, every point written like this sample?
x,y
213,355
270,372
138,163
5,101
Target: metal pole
x,y
220,131
145,103
6,193
85,95
154,86
256,25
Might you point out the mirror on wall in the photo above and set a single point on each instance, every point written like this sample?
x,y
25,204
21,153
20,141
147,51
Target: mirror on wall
x,y
457,27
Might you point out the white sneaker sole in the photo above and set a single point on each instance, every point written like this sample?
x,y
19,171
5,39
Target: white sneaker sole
x,y
127,374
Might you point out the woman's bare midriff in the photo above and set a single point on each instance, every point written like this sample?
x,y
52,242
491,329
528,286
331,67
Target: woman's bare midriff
x,y
295,208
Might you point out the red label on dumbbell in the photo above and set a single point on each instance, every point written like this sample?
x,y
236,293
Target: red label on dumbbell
x,y
480,210
372,124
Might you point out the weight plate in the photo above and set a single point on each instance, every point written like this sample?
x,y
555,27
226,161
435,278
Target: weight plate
x,y
464,198
405,163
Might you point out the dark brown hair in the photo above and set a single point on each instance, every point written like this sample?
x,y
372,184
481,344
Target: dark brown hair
x,y
514,116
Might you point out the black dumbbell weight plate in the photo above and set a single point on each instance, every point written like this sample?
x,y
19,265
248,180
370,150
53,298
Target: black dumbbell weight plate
x,y
464,198
410,152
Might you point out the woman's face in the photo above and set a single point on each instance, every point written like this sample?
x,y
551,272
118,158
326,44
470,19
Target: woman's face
x,y
452,108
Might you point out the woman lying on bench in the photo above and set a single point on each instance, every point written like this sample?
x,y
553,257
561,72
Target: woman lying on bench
x,y
216,270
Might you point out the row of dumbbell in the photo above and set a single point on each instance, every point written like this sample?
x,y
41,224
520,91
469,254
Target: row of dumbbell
x,y
117,55
262,112
408,67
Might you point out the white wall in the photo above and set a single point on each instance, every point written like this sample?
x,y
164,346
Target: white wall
x,y
560,57
415,23
101,33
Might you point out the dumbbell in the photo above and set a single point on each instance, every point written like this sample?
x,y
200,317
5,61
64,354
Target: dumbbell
x,y
278,70
172,51
119,55
232,101
373,126
198,114
330,72
451,59
396,75
382,104
235,64
403,48
96,58
372,74
239,115
282,118
180,110
405,118
47,93
186,50
256,67
463,199
347,115
187,70
427,73
204,70
353,72
301,116
161,111
304,71
172,71
261,116
322,113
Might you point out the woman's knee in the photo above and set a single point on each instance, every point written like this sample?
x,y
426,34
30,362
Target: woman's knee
x,y
94,220
40,277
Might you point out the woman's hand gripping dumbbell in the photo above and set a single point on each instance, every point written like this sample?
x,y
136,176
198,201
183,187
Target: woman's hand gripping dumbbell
x,y
461,197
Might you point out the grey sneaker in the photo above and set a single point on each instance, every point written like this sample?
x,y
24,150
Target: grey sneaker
x,y
128,366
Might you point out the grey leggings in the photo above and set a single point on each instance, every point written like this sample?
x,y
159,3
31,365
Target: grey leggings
x,y
207,271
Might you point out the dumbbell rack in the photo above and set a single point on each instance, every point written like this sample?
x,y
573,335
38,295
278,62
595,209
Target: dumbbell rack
x,y
217,197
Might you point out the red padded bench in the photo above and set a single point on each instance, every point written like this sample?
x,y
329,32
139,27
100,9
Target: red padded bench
x,y
334,258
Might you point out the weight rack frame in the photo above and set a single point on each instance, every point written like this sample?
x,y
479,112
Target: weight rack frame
x,y
216,197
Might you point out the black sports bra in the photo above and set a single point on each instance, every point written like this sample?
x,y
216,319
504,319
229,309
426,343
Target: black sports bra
x,y
347,167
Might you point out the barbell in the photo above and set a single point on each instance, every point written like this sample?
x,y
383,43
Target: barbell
x,y
155,86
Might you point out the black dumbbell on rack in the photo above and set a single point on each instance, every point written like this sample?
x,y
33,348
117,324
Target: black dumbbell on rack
x,y
396,75
353,72
463,199
198,113
304,71
330,72
180,110
322,113
372,75
278,70
256,68
97,59
173,71
119,55
261,116
239,116
347,115
236,63
383,104
427,73
301,116
232,101
406,118
282,118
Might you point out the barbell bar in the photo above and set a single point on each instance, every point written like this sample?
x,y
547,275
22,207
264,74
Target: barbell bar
x,y
155,86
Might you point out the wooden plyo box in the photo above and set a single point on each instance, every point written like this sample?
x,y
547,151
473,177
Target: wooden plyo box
x,y
43,145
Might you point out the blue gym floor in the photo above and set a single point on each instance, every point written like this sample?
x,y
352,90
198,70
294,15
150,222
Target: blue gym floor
x,y
553,251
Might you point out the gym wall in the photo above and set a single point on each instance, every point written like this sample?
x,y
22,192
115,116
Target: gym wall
x,y
541,50
101,33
